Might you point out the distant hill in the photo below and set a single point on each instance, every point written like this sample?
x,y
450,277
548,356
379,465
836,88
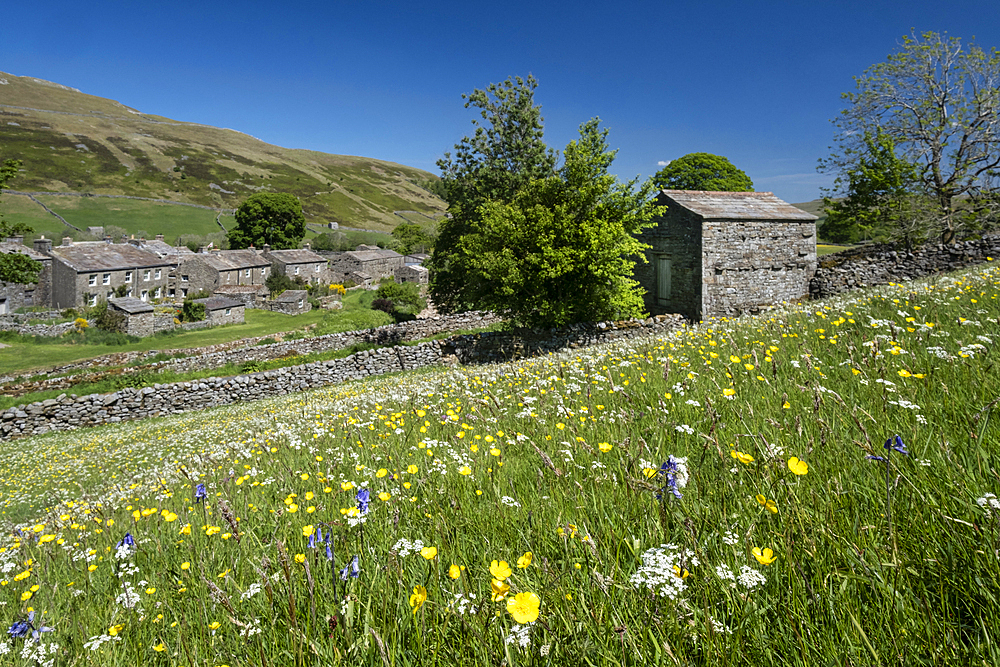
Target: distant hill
x,y
816,208
73,142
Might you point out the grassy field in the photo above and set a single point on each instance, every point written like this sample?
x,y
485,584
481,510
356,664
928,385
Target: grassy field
x,y
27,356
812,486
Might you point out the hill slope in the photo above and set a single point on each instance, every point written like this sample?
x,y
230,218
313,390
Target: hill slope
x,y
73,142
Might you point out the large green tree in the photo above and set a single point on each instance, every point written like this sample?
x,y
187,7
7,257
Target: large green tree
x,y
505,153
560,250
269,218
15,267
703,171
938,101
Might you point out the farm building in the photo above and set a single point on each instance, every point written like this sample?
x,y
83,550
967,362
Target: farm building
x,y
139,316
16,295
303,264
291,302
367,261
722,254
222,310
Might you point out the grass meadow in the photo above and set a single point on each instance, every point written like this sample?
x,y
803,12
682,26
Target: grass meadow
x,y
812,486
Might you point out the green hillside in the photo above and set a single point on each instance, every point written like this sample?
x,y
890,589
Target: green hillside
x,y
73,142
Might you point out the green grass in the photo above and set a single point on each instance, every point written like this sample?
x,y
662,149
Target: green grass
x,y
875,562
829,249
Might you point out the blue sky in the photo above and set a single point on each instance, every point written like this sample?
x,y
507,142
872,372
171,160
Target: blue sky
x,y
757,82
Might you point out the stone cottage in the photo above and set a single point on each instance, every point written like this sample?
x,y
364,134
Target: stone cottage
x,y
369,263
251,296
17,295
722,254
304,264
139,317
221,310
209,270
85,272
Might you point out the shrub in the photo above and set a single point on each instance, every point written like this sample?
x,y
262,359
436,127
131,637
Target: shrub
x,y
251,366
107,319
193,312
385,305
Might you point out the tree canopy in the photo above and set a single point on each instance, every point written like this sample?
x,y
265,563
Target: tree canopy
x,y
703,171
937,101
536,244
15,267
268,218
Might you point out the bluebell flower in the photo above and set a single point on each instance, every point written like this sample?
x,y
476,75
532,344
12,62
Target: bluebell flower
x,y
329,552
364,496
352,570
896,444
312,540
876,458
126,545
200,493
669,471
19,629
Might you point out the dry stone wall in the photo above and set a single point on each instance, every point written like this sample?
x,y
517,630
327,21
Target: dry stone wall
x,y
70,411
884,263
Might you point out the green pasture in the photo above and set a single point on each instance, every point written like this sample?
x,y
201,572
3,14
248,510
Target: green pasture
x,y
812,486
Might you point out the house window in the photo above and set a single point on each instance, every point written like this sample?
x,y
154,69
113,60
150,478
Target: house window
x,y
93,280
145,274
128,276
184,292
144,295
159,291
263,271
662,280
128,293
158,274
93,300
296,270
171,292
300,303
109,294
107,278
317,268
184,278
247,275
229,311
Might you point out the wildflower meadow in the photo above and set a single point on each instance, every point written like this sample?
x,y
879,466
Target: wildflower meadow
x,y
814,485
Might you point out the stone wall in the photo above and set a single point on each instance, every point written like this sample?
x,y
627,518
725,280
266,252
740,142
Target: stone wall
x,y
883,263
69,412
750,265
672,274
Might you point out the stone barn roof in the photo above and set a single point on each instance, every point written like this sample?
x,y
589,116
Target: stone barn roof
x,y
100,256
736,205
219,303
131,305
292,295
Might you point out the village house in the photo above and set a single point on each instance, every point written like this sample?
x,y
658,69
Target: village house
x,y
365,265
251,296
304,264
722,254
86,272
17,295
208,270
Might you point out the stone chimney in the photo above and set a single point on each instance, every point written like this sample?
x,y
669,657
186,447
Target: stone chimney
x,y
108,239
67,241
267,248
43,245
16,238
159,237
202,249
307,245
123,239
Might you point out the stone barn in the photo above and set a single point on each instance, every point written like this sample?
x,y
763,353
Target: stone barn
x,y
291,302
221,310
722,254
139,318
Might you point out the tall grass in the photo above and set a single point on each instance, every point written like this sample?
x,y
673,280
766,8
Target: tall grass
x,y
707,498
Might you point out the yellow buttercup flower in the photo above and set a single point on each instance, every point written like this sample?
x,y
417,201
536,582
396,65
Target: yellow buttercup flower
x,y
604,446
798,467
500,569
429,552
764,556
681,572
524,607
498,590
308,530
454,572
741,457
525,560
767,504
418,598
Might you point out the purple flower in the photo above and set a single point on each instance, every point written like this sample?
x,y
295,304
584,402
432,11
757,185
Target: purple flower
x,y
19,629
127,542
876,458
669,471
896,444
200,493
363,497
352,570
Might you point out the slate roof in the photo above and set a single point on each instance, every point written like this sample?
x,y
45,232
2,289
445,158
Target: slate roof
x,y
165,250
372,255
736,205
244,259
296,256
240,289
131,305
87,256
7,247
292,295
219,303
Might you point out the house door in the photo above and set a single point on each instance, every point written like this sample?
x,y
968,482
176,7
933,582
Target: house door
x,y
662,280
3,306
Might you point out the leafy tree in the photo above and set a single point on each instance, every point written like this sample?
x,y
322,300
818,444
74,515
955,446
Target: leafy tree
x,y
561,249
937,101
880,202
702,171
278,282
412,238
269,218
505,154
404,297
193,312
15,267
327,241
